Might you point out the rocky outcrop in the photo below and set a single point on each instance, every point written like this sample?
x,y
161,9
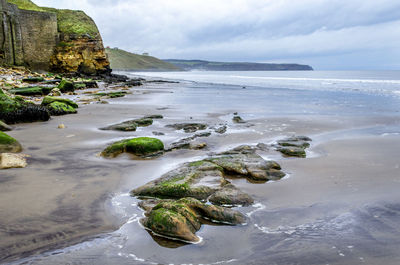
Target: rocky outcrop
x,y
50,39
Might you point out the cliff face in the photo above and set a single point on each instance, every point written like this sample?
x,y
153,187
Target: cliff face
x,y
50,39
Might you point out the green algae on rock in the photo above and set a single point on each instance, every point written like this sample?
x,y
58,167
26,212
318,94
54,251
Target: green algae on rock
x,y
141,146
188,127
66,86
117,94
14,110
4,127
59,106
182,218
131,125
31,91
8,144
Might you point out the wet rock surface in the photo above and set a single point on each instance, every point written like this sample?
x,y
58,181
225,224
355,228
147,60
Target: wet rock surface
x,y
188,127
293,146
203,180
8,144
181,219
132,125
59,106
4,127
11,160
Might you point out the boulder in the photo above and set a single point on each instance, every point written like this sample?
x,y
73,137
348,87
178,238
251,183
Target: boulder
x,y
11,160
8,144
293,146
32,91
142,147
182,218
55,92
14,110
35,79
66,86
59,106
237,119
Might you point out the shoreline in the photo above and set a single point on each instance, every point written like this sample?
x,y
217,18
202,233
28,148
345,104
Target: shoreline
x,y
85,127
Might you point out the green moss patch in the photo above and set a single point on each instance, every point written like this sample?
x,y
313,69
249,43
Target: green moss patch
x,y
31,91
66,86
142,146
9,144
48,100
26,5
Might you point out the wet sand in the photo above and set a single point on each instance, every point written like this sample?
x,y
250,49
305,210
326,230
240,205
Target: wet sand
x,y
338,206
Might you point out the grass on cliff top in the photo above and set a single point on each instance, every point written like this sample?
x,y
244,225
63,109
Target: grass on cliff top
x,y
123,60
26,5
74,22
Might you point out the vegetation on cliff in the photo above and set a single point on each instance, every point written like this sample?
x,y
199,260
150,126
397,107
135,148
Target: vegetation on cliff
x,y
123,60
27,5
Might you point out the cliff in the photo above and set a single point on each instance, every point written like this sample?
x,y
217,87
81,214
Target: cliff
x,y
50,39
236,66
123,60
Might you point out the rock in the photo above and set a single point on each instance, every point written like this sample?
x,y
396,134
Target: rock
x,y
237,119
52,81
55,92
33,79
185,143
154,117
230,195
14,110
90,84
66,86
4,127
292,151
118,94
158,133
10,160
142,147
131,83
221,129
181,219
9,144
61,126
293,146
188,127
59,106
197,146
130,125
79,85
31,91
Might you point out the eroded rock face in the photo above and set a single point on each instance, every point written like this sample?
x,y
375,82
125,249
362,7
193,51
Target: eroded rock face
x,y
82,54
181,219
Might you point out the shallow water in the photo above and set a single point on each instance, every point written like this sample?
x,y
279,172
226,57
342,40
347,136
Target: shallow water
x,y
339,206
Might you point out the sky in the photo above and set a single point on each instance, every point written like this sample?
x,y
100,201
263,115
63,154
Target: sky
x,y
326,34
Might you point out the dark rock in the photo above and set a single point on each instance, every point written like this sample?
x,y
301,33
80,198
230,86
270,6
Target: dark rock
x,y
52,81
154,117
221,129
91,84
130,125
117,94
188,127
162,81
131,83
230,195
292,151
158,133
294,146
33,79
25,113
237,119
66,86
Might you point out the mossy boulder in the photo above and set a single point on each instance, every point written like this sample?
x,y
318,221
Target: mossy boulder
x,y
141,146
66,86
48,100
34,79
59,106
14,110
9,144
181,219
31,91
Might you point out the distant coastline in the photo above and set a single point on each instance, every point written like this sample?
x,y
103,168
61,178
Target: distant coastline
x,y
188,65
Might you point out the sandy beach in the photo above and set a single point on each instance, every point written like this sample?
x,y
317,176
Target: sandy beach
x,y
69,195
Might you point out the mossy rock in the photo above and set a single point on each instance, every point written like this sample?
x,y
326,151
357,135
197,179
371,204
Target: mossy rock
x,y
9,144
294,146
130,125
31,91
292,151
33,79
188,127
66,86
59,108
142,146
118,94
79,85
238,119
14,110
48,100
181,219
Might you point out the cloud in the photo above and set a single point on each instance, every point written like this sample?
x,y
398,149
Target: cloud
x,y
244,30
